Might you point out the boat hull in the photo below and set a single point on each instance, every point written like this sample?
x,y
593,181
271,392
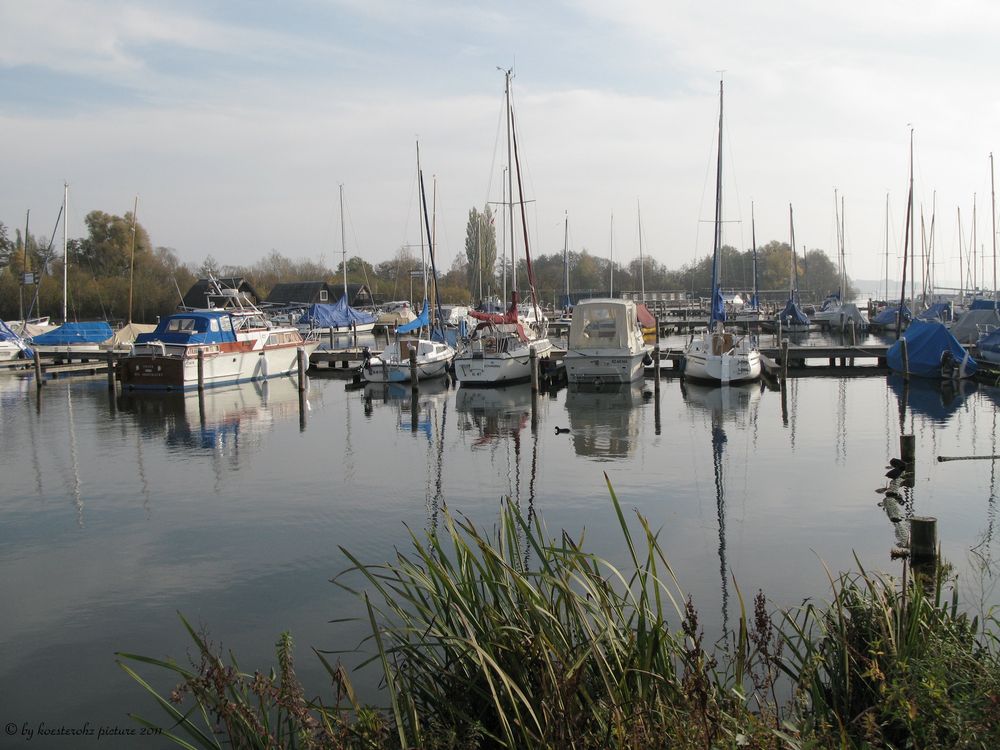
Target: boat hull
x,y
478,368
376,371
597,368
718,357
179,372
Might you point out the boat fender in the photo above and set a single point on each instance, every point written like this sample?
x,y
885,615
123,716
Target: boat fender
x,y
647,360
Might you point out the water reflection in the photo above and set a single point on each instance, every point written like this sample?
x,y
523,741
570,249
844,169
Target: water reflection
x,y
424,413
605,422
937,400
219,421
497,417
736,404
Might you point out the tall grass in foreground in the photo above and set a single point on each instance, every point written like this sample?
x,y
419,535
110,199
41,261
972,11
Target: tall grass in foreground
x,y
514,639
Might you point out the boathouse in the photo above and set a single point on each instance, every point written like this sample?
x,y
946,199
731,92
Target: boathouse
x,y
304,293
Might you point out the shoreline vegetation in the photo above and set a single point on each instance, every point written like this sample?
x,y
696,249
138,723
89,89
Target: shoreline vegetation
x,y
515,639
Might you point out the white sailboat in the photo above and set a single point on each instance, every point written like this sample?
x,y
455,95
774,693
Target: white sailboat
x,y
499,351
719,356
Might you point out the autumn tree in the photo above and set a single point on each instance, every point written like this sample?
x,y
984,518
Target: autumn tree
x,y
480,251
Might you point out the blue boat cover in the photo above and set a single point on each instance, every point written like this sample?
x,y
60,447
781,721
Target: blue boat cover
x,y
793,315
888,316
931,352
6,334
194,327
990,342
424,319
983,304
75,333
337,315
938,311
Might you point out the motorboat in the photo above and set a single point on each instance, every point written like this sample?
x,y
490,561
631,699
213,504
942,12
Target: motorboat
x,y
392,364
605,343
219,345
12,346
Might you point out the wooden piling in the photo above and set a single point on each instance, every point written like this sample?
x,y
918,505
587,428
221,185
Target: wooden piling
x,y
414,380
302,368
39,382
201,369
354,330
906,358
656,366
784,359
331,337
111,370
533,364
908,449
923,538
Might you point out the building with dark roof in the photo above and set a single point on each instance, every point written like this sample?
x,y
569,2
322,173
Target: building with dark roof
x,y
311,292
197,295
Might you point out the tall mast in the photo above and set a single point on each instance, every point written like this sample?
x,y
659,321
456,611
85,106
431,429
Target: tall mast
x,y
642,264
510,187
755,303
791,241
343,242
65,246
718,307
993,217
524,227
961,278
423,261
907,246
611,293
887,247
566,258
131,270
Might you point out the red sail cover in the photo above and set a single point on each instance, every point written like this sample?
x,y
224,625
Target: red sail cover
x,y
508,317
644,316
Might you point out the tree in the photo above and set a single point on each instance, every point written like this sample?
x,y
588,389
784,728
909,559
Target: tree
x,y
6,247
107,248
481,251
209,267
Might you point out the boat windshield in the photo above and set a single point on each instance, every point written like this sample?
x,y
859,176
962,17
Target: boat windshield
x,y
599,325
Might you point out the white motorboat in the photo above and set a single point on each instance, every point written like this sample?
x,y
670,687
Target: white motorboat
x,y
605,343
232,343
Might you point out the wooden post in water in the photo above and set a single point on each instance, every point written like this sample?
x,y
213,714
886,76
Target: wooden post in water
x,y
302,367
533,364
39,382
656,366
111,370
201,369
354,330
906,358
908,449
331,337
923,538
784,358
413,369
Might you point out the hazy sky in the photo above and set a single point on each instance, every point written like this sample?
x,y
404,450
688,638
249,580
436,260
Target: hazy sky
x,y
235,123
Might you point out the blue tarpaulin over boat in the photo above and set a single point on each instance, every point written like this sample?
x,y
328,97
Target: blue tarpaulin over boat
x,y
990,344
888,316
6,334
938,311
936,399
793,315
337,315
931,352
421,321
983,304
192,327
75,333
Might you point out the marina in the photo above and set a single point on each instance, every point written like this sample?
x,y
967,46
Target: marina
x,y
229,504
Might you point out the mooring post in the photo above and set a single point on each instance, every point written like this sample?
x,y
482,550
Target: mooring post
x,y
302,410
302,368
784,358
111,370
413,368
38,370
923,538
906,358
533,364
656,366
354,330
201,369
908,449
331,337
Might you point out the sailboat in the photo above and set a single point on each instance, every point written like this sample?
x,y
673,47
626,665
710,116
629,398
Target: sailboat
x,y
791,318
433,355
718,356
339,317
501,347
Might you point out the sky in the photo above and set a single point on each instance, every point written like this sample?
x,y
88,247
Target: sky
x,y
236,123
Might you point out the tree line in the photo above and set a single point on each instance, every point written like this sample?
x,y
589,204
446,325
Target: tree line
x,y
116,264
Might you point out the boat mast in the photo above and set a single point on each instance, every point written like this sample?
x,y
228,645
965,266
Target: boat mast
x,y
343,243
65,246
718,307
791,271
754,302
420,186
566,259
611,293
510,189
907,246
524,227
131,270
642,264
993,217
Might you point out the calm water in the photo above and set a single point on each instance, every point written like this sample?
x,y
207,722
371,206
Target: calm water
x,y
117,515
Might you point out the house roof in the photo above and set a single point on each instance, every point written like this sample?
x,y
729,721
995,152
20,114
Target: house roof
x,y
197,296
